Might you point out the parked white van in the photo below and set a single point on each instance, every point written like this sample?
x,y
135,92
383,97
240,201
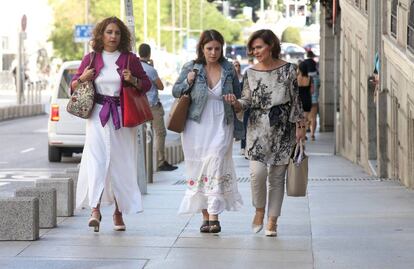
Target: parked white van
x,y
66,133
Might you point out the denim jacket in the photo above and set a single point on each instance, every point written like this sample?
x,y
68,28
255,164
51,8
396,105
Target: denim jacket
x,y
199,92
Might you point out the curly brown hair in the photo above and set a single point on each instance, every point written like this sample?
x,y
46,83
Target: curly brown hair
x,y
98,32
207,36
269,38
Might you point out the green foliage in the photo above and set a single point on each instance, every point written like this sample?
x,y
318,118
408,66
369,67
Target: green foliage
x,y
292,35
68,13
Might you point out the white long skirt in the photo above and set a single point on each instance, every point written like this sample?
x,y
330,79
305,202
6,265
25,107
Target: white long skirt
x,y
207,146
109,166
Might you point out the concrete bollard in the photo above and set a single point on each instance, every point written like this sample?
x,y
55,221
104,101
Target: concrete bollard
x,y
64,193
47,204
19,218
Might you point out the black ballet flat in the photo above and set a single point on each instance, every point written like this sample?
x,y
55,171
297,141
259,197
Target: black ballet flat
x,y
205,227
215,226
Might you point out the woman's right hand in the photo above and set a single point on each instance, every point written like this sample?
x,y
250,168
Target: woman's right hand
x,y
87,74
190,77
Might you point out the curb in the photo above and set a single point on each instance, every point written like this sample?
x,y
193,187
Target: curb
x,y
20,111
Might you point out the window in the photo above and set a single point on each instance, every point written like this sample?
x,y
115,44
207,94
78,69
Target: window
x,y
410,30
5,42
394,6
64,88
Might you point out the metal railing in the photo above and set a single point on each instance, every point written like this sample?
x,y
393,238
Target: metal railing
x,y
33,92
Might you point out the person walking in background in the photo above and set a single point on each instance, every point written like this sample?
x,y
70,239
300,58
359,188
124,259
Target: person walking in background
x,y
207,139
304,85
312,68
250,63
237,67
108,170
156,107
276,124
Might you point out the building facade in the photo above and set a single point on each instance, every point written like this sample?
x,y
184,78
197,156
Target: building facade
x,y
375,124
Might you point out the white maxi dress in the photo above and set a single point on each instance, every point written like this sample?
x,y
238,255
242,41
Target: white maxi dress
x,y
109,160
207,146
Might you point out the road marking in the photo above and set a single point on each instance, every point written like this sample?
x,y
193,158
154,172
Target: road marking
x,y
2,184
27,150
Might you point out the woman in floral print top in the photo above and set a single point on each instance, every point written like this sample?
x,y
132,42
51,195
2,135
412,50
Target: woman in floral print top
x,y
275,124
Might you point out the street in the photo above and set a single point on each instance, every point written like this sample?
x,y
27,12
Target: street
x,y
24,145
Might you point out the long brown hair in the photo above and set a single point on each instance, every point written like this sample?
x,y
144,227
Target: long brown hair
x,y
98,32
269,38
205,37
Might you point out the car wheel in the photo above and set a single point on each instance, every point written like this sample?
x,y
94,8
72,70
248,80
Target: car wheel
x,y
55,155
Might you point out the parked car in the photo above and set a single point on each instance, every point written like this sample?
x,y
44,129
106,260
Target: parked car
x,y
66,133
292,52
236,51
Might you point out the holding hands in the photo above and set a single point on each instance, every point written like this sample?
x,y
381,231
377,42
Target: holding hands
x,y
232,100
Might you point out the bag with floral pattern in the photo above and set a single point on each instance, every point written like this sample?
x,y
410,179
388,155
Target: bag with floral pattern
x,y
82,100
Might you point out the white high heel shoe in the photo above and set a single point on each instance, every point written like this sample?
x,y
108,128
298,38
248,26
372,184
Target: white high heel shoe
x,y
271,228
259,216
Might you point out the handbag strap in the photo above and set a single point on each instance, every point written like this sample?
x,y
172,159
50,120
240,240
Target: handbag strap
x,y
92,59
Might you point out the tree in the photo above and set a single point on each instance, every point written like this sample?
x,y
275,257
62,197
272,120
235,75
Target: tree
x,y
68,13
292,35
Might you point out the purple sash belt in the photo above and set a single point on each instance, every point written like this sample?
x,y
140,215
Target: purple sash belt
x,y
110,107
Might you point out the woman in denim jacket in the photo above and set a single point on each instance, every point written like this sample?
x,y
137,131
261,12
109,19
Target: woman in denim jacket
x,y
209,131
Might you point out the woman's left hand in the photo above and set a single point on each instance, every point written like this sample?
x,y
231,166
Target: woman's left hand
x,y
128,76
300,133
232,100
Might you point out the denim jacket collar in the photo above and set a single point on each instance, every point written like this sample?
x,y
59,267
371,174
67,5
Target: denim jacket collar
x,y
226,71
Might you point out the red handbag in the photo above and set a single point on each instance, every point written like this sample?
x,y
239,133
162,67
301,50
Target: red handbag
x,y
136,107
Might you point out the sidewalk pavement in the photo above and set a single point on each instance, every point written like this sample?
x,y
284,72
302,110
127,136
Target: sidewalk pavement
x,y
348,220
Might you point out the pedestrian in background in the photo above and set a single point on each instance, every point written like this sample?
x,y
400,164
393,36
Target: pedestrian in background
x,y
108,170
312,68
276,124
237,67
207,139
304,85
156,107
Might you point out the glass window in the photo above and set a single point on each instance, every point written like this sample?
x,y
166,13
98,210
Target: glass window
x,y
394,6
410,32
64,88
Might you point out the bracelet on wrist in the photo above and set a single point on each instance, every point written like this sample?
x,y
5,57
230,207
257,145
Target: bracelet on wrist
x,y
79,80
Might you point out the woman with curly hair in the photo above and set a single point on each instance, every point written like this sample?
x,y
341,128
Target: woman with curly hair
x,y
108,168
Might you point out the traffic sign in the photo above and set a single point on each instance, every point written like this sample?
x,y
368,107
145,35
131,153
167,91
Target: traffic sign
x,y
83,32
23,23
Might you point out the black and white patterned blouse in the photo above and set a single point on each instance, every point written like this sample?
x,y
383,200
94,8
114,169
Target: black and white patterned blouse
x,y
273,99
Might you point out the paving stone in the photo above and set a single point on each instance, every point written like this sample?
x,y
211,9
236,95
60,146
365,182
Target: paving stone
x,y
47,203
19,218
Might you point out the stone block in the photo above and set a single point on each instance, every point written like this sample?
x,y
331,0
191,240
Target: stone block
x,y
47,204
73,173
19,218
64,194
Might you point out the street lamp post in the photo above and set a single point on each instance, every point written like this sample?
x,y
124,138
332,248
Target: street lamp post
x,y
141,172
159,23
173,25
